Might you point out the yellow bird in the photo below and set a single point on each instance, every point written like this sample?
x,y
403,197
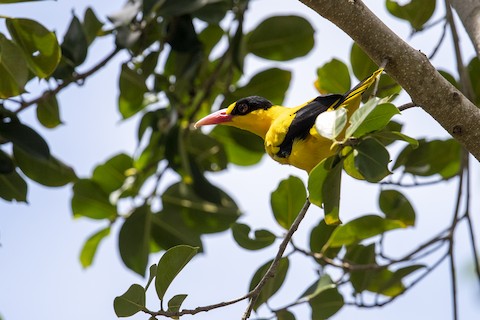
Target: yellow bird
x,y
289,133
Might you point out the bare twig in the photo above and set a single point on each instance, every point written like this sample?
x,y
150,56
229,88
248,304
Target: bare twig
x,y
362,304
440,41
253,294
273,267
469,221
413,184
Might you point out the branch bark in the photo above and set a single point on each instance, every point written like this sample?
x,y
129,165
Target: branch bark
x,y
408,66
469,13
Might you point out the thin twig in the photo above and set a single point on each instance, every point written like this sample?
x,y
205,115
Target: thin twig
x,y
414,184
183,312
406,106
440,41
412,284
76,79
469,221
273,267
254,293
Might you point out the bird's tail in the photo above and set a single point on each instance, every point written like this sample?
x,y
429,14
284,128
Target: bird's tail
x,y
352,98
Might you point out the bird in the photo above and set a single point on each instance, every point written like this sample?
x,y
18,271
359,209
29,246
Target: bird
x,y
289,134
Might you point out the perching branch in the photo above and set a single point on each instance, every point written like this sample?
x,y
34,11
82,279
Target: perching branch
x,y
408,66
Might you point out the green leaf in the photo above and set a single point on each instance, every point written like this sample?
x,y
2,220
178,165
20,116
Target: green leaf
x,y
349,163
130,302
90,247
316,181
183,37
281,38
284,315
25,138
371,117
169,230
134,240
208,152
132,89
75,43
6,163
331,123
417,12
243,148
91,25
324,283
209,37
287,200
396,207
319,237
49,172
372,159
111,175
360,115
474,73
13,187
214,12
170,265
361,255
40,46
13,69
175,302
450,78
361,228
441,157
333,77
273,284
271,83
261,239
324,298
387,137
47,111
331,195
324,188
89,200
362,65
151,275
202,215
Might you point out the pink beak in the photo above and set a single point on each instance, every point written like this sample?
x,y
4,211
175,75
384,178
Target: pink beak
x,y
217,117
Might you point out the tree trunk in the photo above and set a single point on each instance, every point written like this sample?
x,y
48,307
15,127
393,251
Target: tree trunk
x,y
408,66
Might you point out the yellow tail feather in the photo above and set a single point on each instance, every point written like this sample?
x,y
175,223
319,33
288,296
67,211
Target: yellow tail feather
x,y
359,89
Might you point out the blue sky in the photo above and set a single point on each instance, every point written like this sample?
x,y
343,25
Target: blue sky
x,y
41,277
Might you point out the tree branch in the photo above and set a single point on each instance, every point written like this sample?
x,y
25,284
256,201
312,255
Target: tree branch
x,y
273,267
408,66
469,13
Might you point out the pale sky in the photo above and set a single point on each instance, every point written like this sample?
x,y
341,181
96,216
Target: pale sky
x,y
41,276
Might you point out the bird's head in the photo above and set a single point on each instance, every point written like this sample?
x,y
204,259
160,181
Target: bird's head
x,y
253,114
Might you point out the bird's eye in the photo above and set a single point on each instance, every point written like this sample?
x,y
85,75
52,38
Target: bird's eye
x,y
242,108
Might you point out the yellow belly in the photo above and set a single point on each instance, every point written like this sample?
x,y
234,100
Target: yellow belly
x,y
306,154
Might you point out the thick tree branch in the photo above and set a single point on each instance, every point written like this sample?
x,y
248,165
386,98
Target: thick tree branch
x,y
408,66
469,13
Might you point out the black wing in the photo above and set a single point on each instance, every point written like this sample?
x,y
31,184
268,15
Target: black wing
x,y
304,121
